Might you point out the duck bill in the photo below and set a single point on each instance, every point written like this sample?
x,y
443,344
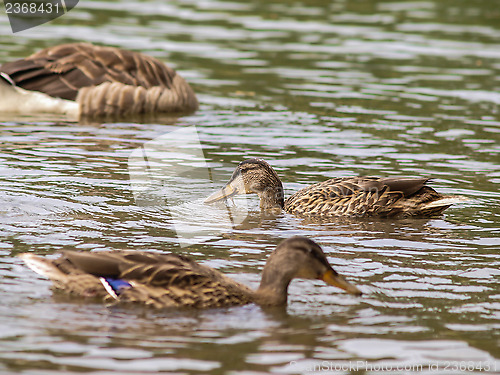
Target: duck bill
x,y
332,278
227,191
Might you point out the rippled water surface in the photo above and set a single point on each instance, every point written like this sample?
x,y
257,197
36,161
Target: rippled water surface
x,y
319,89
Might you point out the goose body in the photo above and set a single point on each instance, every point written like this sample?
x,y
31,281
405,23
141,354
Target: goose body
x,y
169,280
81,79
345,196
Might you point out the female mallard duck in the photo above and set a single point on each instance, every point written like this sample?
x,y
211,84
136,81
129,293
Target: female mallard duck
x,y
80,79
344,196
169,280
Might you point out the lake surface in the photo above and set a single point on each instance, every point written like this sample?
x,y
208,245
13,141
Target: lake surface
x,y
319,89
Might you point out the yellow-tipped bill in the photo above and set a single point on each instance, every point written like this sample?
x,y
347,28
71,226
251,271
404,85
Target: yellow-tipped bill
x,y
332,278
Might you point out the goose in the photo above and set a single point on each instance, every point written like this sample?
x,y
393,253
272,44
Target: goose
x,y
344,196
85,80
173,281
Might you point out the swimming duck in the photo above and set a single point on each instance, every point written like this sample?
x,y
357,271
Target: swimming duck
x,y
344,196
169,280
81,79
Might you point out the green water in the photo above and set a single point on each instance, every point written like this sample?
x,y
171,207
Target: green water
x,y
319,89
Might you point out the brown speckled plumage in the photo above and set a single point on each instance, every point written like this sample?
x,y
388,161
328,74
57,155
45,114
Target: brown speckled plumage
x,y
103,80
345,196
169,280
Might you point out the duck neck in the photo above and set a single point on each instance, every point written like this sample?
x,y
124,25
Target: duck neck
x,y
273,289
272,197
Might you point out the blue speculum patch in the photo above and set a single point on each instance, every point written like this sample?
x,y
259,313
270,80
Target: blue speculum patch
x,y
117,284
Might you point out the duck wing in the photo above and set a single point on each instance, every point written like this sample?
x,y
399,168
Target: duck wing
x,y
365,196
407,186
158,280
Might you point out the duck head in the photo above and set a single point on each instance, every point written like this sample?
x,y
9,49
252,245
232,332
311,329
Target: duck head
x,y
297,257
253,176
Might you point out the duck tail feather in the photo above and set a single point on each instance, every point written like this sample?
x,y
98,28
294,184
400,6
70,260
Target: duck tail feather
x,y
42,266
447,200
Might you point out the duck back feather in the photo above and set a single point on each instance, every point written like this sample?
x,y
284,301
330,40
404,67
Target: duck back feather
x,y
369,196
157,280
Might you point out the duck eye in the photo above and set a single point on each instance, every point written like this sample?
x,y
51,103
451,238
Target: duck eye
x,y
304,249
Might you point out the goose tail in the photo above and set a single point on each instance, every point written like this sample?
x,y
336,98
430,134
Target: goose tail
x,y
15,99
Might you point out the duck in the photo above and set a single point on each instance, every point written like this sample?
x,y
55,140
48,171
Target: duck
x,y
87,80
362,196
162,280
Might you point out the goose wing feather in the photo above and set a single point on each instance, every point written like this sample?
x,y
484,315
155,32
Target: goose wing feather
x,y
62,70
